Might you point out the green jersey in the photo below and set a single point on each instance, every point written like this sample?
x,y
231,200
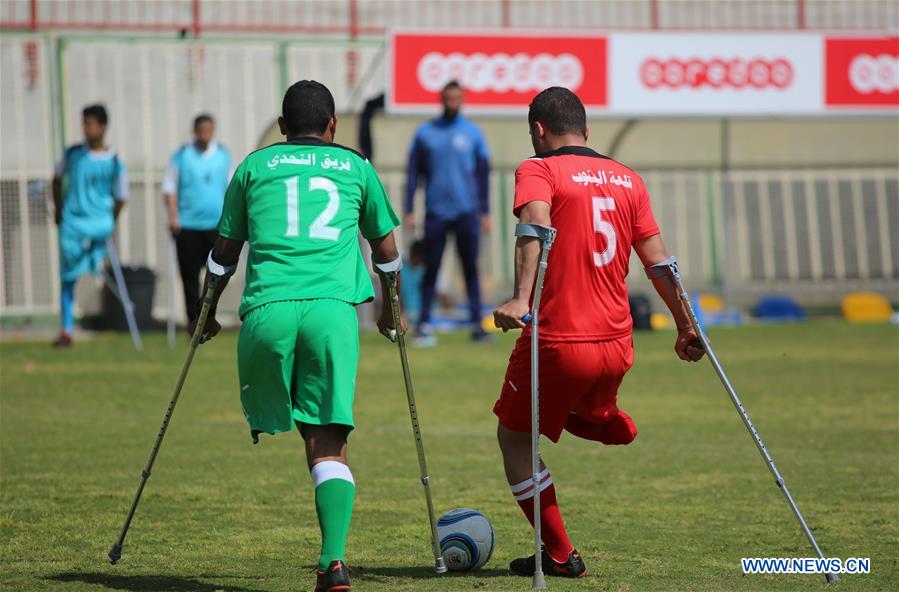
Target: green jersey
x,y
301,204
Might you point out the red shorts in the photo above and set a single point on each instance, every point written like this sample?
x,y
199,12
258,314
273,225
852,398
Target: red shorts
x,y
579,378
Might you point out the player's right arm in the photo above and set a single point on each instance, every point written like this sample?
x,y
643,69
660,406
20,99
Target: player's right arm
x,y
415,167
170,194
222,259
534,189
233,232
58,174
527,254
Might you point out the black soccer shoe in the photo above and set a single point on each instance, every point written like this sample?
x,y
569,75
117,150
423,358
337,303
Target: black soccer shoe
x,y
334,579
572,568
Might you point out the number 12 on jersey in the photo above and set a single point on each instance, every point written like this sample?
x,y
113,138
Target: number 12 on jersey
x,y
605,228
319,228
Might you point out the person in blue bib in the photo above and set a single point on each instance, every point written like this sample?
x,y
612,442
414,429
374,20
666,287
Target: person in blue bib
x,y
451,153
194,190
90,188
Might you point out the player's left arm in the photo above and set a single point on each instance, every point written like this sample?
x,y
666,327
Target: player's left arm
x,y
650,247
229,164
376,222
119,188
385,252
651,251
527,255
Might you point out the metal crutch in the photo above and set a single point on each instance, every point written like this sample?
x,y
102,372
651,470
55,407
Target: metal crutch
x,y
124,298
391,276
170,322
546,235
669,268
115,553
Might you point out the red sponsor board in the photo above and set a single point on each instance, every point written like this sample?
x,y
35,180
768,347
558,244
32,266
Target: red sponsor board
x,y
862,72
500,73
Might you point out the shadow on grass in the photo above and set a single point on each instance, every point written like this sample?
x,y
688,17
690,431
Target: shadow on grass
x,y
146,583
422,573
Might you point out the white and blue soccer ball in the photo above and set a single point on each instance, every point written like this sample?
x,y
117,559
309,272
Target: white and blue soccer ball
x,y
466,539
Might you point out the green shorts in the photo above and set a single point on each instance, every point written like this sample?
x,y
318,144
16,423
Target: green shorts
x,y
297,362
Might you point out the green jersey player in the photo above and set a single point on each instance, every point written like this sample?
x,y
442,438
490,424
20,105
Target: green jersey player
x,y
301,204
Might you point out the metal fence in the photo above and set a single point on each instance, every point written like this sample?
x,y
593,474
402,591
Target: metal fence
x,y
811,233
815,233
360,17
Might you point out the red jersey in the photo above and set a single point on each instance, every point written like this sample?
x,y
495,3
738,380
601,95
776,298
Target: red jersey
x,y
599,207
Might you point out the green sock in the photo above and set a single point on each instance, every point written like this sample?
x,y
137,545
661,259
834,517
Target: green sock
x,y
335,492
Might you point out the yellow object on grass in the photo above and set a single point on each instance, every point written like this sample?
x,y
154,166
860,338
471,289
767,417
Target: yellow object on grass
x,y
711,302
866,307
487,324
660,320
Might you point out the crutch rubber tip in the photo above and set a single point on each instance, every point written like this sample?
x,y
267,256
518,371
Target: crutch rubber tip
x,y
831,578
115,553
440,565
539,582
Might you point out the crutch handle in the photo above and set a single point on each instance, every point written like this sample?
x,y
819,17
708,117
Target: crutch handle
x,y
526,319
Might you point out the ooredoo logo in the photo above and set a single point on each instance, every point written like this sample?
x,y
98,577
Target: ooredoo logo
x,y
862,72
717,73
869,74
500,72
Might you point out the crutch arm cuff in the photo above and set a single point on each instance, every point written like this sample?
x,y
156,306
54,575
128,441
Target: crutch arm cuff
x,y
545,234
389,267
219,269
666,268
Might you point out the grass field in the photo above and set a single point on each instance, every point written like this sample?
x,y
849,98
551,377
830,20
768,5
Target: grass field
x,y
676,510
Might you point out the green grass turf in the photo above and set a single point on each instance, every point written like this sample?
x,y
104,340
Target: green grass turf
x,y
676,510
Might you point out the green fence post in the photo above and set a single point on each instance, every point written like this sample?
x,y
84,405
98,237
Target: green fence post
x,y
282,69
61,92
504,225
713,234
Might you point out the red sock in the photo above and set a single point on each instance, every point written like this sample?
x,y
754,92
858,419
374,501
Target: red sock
x,y
619,430
552,530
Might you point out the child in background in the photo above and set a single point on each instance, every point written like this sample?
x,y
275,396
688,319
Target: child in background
x,y
413,274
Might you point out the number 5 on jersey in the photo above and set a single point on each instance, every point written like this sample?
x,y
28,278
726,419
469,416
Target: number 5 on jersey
x,y
319,227
605,228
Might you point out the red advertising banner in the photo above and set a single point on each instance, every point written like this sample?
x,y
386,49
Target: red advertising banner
x,y
635,74
500,72
862,72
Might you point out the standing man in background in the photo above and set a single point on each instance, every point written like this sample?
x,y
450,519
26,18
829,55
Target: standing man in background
x,y
194,190
451,153
90,187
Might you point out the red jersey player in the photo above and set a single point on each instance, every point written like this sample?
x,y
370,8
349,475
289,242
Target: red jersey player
x,y
600,209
